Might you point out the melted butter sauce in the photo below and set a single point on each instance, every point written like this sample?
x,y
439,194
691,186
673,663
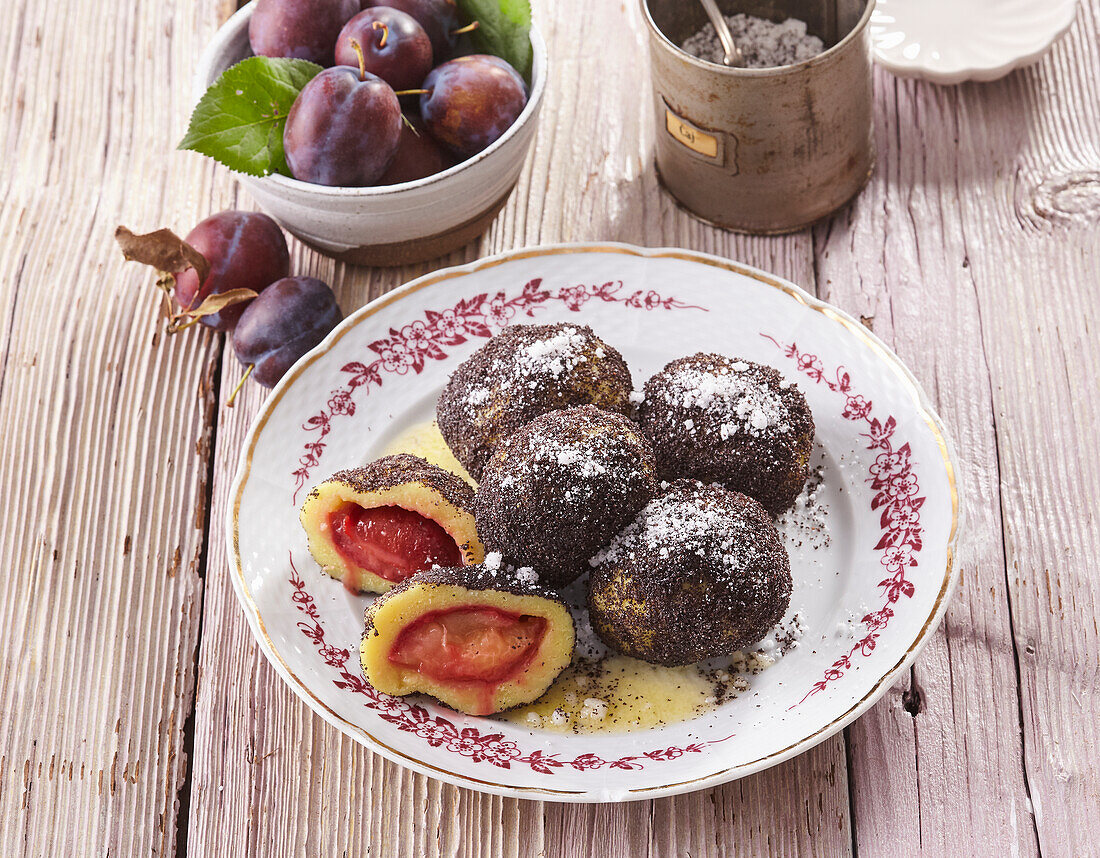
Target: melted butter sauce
x,y
611,693
602,691
424,440
618,694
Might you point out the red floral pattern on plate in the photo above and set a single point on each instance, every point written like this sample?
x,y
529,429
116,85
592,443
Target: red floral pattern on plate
x,y
895,488
439,732
408,349
891,477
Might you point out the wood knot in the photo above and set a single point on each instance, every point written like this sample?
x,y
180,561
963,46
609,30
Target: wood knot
x,y
1069,198
912,701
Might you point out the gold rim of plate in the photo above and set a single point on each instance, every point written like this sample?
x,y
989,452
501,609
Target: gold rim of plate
x,y
920,402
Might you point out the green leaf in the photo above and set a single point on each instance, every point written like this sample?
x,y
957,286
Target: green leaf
x,y
239,120
504,29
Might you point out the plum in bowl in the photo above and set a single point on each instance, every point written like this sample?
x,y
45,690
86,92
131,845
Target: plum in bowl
x,y
394,224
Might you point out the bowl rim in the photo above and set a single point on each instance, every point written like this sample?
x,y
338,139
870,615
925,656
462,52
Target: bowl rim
x,y
239,20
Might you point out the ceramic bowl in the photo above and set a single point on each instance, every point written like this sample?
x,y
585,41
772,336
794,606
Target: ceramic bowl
x,y
948,42
390,224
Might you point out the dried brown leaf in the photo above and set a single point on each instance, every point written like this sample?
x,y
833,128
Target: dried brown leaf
x,y
210,304
163,250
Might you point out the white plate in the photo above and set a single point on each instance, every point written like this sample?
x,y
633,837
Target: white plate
x,y
949,41
870,597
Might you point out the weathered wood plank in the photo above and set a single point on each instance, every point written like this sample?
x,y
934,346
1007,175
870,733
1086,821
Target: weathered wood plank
x,y
983,274
1036,221
927,761
103,429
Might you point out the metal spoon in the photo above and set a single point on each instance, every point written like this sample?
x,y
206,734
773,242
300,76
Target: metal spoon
x,y
732,53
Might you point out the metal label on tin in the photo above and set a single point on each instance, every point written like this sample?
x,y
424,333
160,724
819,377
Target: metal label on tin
x,y
693,137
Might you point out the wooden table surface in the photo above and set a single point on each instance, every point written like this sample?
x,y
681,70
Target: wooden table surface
x,y
137,715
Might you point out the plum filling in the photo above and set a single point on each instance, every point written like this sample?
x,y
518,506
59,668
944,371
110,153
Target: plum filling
x,y
391,542
469,644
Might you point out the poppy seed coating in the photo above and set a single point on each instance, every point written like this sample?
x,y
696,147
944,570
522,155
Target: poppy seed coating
x,y
402,482
401,469
729,421
522,372
561,487
700,573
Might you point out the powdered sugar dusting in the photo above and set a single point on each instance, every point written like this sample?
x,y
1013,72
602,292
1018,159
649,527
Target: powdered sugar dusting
x,y
521,373
478,395
806,523
740,401
691,522
556,354
727,420
580,465
586,461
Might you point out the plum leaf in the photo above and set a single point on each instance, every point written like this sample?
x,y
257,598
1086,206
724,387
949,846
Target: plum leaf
x,y
504,29
239,121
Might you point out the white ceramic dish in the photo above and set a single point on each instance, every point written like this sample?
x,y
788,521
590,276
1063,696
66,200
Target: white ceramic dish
x,y
391,224
870,593
951,41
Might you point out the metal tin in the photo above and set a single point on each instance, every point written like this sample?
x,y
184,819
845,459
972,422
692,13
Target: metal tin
x,y
763,150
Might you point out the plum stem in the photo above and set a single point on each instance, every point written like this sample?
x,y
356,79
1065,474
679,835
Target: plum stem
x,y
378,25
413,92
236,390
175,326
355,46
469,28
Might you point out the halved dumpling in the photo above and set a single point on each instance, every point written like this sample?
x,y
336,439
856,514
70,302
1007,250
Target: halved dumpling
x,y
373,527
474,638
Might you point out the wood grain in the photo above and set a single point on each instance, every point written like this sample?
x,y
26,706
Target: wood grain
x,y
1037,223
937,762
104,425
974,252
